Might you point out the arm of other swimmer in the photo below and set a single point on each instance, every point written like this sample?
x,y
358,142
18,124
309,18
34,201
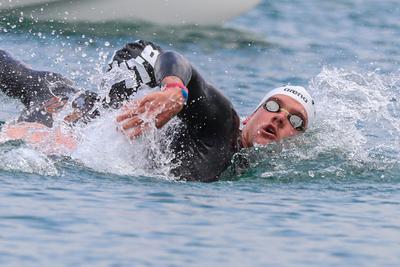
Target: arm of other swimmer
x,y
30,86
14,77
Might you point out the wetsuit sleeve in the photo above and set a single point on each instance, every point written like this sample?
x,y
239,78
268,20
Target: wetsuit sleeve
x,y
30,86
41,91
141,63
171,63
206,109
131,67
208,136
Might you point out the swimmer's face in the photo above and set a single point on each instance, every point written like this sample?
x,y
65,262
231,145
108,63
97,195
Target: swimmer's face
x,y
265,127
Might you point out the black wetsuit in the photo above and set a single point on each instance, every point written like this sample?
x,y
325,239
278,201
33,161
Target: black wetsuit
x,y
36,89
208,138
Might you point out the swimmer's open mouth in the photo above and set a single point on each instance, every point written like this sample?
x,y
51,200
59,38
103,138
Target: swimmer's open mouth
x,y
269,131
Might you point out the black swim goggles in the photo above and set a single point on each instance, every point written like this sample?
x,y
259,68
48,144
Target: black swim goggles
x,y
296,121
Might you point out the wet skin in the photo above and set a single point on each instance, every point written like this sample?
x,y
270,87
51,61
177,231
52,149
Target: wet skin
x,y
264,127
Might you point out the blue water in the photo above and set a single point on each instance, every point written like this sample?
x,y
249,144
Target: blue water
x,y
328,198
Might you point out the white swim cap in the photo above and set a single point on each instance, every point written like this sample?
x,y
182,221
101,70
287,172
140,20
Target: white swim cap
x,y
299,94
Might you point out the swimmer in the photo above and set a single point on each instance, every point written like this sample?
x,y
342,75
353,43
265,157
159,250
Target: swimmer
x,y
210,134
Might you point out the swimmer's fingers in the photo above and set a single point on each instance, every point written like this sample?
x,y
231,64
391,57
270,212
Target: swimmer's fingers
x,y
130,105
131,113
159,107
130,123
137,123
138,131
124,116
148,114
146,100
138,107
168,111
166,115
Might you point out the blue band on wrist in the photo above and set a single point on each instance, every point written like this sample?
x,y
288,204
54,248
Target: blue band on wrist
x,y
185,94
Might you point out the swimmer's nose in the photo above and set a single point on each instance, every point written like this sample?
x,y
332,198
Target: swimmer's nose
x,y
279,118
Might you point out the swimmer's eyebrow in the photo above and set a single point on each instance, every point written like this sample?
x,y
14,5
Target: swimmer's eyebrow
x,y
290,110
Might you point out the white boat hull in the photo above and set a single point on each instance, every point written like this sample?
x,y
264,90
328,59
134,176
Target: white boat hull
x,y
204,12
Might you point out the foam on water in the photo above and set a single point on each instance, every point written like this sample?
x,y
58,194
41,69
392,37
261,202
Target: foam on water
x,y
358,112
104,148
9,107
17,156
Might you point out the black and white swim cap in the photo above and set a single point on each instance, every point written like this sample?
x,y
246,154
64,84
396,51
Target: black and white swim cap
x,y
299,94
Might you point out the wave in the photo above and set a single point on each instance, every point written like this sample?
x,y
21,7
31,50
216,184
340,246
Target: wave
x,y
15,155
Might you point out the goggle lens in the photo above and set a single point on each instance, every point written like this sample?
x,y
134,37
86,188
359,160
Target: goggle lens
x,y
296,121
272,106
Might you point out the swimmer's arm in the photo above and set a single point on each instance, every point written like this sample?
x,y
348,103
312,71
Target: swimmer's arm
x,y
206,108
149,65
172,64
39,135
170,67
30,86
159,107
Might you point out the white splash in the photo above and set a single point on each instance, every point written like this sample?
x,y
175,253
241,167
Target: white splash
x,y
357,111
9,107
16,156
104,148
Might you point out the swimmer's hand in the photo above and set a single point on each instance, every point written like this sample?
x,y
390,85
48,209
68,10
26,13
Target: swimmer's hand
x,y
157,108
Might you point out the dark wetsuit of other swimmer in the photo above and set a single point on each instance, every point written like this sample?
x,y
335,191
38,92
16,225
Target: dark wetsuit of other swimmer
x,y
208,138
